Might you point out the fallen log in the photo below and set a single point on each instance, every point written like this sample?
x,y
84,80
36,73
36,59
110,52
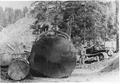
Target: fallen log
x,y
53,55
18,69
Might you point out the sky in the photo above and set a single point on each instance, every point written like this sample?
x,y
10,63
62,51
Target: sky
x,y
20,4
15,4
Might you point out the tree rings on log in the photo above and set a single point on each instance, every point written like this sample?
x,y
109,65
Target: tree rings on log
x,y
53,56
18,69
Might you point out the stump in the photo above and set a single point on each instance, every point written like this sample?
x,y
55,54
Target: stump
x,y
18,69
53,55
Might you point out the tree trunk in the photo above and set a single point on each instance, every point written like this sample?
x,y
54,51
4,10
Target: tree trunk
x,y
68,29
18,69
117,43
84,33
84,38
117,25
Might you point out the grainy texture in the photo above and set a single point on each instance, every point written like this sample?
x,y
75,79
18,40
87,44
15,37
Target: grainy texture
x,y
18,69
5,59
53,56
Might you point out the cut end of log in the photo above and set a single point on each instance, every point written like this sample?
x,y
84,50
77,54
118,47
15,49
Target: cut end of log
x,y
18,69
53,56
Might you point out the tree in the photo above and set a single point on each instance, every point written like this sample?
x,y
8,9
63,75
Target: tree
x,y
25,10
1,16
18,14
47,12
117,25
9,14
88,20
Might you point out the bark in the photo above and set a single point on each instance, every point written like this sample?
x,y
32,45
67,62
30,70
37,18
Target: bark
x,y
117,43
53,56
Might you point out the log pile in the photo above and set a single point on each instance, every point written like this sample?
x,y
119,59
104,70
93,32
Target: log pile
x,y
52,55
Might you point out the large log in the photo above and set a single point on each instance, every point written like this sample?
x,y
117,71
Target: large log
x,y
18,69
53,55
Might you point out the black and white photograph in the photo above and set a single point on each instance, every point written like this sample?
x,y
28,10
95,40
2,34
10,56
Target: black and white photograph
x,y
59,41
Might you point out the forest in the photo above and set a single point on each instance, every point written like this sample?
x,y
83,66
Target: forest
x,y
9,15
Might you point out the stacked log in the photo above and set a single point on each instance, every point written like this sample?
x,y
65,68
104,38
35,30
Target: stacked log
x,y
53,55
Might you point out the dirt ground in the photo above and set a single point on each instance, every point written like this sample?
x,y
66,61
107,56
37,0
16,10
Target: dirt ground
x,y
107,70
